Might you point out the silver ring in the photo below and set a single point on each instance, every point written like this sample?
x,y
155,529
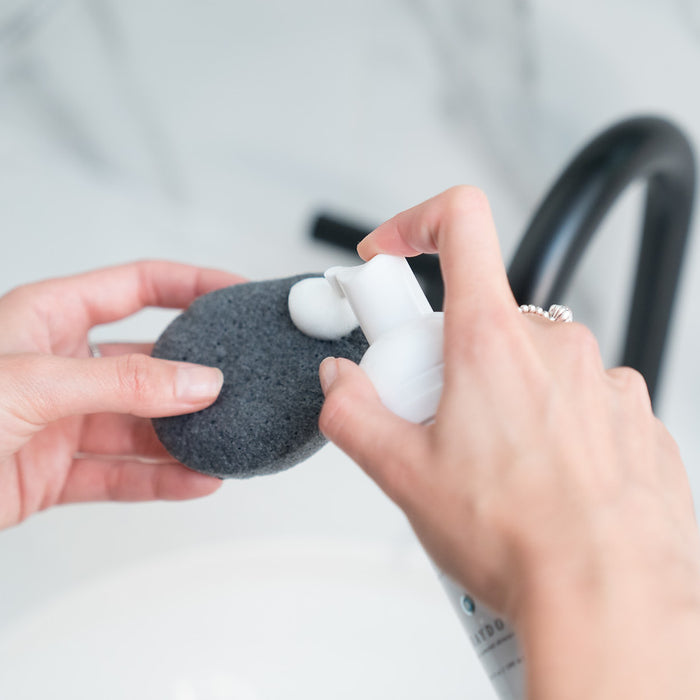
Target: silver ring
x,y
556,312
94,349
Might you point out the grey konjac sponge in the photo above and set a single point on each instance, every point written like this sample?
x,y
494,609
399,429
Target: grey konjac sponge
x,y
266,417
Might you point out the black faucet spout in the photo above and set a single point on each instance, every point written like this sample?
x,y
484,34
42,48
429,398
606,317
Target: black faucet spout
x,y
646,148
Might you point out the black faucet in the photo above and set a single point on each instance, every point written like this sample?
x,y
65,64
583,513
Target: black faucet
x,y
647,148
641,148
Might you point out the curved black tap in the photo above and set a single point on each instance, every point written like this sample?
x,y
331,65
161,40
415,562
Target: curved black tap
x,y
640,148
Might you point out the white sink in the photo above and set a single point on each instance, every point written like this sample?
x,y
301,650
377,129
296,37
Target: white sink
x,y
257,620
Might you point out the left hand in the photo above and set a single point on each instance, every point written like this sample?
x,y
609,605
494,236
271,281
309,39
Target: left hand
x,y
75,428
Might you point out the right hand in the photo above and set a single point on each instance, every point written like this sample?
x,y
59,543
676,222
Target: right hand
x,y
545,486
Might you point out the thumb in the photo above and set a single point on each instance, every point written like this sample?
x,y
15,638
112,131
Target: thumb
x,y
353,417
43,388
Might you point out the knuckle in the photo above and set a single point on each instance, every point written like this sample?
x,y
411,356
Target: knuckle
x,y
22,295
457,204
134,376
582,346
143,274
334,415
144,269
32,300
630,378
583,338
113,483
631,383
327,420
465,196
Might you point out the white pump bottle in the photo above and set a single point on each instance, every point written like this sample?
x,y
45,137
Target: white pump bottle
x,y
405,363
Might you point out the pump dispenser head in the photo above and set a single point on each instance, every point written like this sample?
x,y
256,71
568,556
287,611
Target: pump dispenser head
x,y
404,359
383,294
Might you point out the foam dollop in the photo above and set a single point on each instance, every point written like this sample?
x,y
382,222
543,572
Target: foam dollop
x,y
317,310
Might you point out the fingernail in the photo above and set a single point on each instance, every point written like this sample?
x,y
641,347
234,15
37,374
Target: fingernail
x,y
194,383
328,373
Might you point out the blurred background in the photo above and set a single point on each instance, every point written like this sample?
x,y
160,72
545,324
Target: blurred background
x,y
213,133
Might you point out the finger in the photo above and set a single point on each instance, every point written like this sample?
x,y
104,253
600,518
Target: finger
x,y
458,225
43,388
110,294
120,434
114,349
353,417
127,480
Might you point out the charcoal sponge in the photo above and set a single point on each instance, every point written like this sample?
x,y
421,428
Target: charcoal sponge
x,y
266,416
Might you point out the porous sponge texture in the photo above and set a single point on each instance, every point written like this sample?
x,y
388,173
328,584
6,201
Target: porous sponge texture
x,y
266,416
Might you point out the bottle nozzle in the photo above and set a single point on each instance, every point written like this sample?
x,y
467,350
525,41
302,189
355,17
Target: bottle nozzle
x,y
383,293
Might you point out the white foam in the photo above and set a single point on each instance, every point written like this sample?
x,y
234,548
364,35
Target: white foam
x,y
319,311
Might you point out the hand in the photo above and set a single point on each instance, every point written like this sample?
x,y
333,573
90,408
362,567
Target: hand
x,y
545,486
75,428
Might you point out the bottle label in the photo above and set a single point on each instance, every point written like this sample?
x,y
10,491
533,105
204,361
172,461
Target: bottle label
x,y
493,640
